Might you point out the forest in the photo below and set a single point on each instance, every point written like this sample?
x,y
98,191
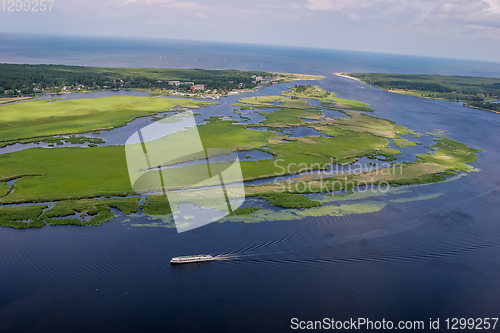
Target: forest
x,y
26,80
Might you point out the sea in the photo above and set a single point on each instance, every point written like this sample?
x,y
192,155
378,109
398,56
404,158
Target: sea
x,y
414,260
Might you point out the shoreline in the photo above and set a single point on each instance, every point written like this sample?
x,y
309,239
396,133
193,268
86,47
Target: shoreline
x,y
346,75
416,93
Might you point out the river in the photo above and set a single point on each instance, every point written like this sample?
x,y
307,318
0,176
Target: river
x,y
413,260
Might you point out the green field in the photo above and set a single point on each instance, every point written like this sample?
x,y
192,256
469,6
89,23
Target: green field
x,y
41,118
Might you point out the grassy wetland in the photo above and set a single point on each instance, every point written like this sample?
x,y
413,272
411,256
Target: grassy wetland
x,y
73,176
29,120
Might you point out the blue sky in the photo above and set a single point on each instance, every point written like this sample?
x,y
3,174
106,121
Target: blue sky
x,y
467,29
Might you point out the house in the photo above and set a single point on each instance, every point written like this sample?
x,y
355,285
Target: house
x,y
174,83
197,87
268,80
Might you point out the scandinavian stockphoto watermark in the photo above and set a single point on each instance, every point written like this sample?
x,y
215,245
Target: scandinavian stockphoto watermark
x,y
167,158
334,178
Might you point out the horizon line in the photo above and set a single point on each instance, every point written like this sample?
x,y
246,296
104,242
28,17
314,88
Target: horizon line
x,y
137,38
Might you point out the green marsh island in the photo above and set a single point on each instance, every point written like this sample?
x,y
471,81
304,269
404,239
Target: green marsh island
x,y
88,185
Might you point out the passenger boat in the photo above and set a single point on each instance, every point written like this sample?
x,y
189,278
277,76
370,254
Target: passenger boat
x,y
189,259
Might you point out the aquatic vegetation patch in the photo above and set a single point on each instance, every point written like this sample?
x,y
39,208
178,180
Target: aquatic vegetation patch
x,y
96,209
420,197
344,209
403,143
83,139
263,215
245,210
22,217
289,200
384,155
156,205
451,154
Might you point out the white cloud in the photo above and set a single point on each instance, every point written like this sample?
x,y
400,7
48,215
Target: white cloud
x,y
494,6
171,3
439,12
327,4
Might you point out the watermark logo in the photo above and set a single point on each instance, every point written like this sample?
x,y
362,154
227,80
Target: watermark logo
x,y
167,158
334,178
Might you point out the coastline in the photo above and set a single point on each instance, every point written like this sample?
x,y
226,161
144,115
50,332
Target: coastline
x,y
421,93
346,75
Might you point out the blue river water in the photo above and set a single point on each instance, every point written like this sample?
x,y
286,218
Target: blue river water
x,y
415,260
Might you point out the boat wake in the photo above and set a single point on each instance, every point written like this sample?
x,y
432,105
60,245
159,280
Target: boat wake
x,y
382,258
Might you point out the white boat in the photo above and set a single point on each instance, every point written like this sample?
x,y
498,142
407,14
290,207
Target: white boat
x,y
189,259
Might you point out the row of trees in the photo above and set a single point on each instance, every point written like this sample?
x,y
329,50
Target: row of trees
x,y
486,106
434,87
457,97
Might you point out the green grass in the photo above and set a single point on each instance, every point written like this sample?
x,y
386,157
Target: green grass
x,y
245,211
65,173
422,179
290,116
452,154
289,200
156,205
384,154
22,217
327,99
403,143
267,101
125,205
40,118
97,209
4,189
76,173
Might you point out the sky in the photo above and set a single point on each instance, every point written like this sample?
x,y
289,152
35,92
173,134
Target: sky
x,y
464,29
